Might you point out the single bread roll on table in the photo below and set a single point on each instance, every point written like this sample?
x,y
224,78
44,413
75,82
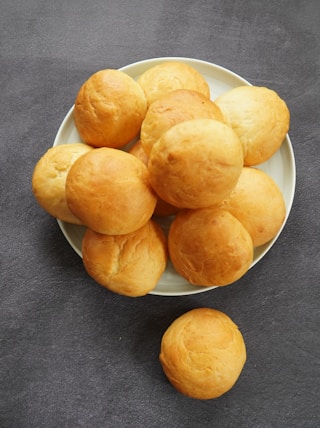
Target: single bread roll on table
x,y
203,353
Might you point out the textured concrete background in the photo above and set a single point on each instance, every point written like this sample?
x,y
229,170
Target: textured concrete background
x,y
74,354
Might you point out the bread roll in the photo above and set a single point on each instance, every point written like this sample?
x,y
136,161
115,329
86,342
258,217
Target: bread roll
x,y
130,264
162,208
168,76
259,117
203,353
109,191
258,203
196,163
49,179
175,107
109,109
209,246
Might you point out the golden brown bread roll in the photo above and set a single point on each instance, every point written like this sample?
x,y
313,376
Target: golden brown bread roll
x,y
49,179
196,163
168,76
130,264
258,203
162,208
109,109
175,107
203,353
209,246
260,118
109,191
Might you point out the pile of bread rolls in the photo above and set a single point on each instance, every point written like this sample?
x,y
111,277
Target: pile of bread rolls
x,y
160,146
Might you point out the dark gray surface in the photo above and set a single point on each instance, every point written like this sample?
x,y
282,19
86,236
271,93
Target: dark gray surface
x,y
76,355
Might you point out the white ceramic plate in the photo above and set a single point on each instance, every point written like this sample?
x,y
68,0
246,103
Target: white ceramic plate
x,y
281,167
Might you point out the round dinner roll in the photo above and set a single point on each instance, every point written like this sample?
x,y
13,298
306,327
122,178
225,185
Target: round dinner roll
x,y
162,208
175,107
258,203
209,247
109,109
168,76
203,353
109,191
49,179
130,264
260,118
196,163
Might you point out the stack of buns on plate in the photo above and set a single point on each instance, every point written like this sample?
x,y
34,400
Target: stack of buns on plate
x,y
160,146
